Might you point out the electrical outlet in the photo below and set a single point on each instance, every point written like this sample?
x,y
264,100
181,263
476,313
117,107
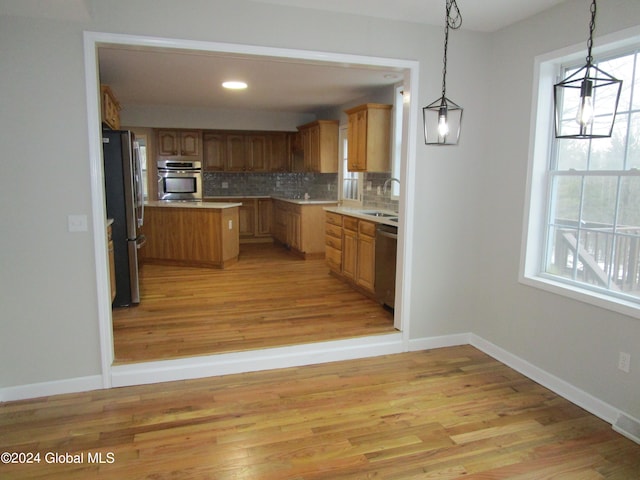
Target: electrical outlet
x,y
230,224
624,362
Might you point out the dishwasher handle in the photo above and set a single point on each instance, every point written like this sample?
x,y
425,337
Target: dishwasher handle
x,y
387,233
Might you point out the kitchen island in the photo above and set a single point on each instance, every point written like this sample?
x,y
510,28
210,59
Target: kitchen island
x,y
191,233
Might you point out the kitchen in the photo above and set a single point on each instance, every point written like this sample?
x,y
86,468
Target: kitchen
x,y
279,182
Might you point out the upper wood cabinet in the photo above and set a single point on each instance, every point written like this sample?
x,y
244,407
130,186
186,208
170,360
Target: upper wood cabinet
x,y
369,138
185,144
319,141
214,150
237,151
110,108
279,152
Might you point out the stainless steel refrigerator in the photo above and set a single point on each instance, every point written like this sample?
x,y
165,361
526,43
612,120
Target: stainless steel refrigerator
x,y
125,205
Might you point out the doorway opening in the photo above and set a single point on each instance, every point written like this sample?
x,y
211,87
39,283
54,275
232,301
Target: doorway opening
x,y
326,351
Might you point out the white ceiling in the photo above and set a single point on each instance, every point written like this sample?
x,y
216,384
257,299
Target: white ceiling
x,y
192,79
479,15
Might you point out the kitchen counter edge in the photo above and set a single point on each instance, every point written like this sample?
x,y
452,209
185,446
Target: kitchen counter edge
x,y
355,212
206,204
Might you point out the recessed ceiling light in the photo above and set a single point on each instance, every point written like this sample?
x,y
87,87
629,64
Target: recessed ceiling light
x,y
235,85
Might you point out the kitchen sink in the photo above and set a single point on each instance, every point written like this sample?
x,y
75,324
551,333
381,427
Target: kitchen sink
x,y
379,214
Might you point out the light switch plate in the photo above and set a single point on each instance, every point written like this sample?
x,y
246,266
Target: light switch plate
x,y
77,223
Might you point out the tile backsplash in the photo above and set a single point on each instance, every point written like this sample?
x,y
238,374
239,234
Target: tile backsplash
x,y
319,186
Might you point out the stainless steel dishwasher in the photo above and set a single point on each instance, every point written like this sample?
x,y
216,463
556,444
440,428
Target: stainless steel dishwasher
x,y
386,244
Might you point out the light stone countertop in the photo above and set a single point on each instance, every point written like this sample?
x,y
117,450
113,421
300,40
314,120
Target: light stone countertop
x,y
359,213
174,204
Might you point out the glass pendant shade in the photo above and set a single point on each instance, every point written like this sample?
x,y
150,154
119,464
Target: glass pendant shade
x,y
586,103
442,121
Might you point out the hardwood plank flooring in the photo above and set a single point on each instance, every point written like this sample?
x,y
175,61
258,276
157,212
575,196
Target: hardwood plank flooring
x,y
268,299
441,414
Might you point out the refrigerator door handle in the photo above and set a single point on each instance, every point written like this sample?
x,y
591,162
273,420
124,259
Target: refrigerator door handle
x,y
140,242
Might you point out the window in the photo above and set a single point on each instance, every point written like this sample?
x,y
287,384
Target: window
x,y
398,106
351,191
588,197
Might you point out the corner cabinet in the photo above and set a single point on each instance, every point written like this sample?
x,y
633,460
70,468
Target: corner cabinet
x,y
369,137
319,142
300,228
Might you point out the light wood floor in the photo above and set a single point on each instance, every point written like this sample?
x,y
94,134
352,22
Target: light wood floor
x,y
441,414
268,299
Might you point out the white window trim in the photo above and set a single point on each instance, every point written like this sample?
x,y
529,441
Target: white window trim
x,y
546,70
347,202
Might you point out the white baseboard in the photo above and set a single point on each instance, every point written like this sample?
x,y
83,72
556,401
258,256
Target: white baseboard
x,y
628,426
581,398
256,360
56,387
429,343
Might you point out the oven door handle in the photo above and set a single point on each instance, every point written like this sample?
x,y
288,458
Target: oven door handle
x,y
179,172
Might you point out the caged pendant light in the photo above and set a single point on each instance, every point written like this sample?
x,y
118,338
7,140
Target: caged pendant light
x,y
443,118
587,100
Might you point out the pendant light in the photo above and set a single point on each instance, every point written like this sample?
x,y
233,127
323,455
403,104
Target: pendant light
x,y
443,118
587,100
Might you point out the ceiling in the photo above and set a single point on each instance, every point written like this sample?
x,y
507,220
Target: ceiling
x,y
478,15
192,79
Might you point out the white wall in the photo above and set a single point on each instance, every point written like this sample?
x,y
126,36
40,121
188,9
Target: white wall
x,y
574,341
468,203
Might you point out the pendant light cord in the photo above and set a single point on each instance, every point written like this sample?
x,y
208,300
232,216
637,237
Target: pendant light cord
x,y
592,27
453,20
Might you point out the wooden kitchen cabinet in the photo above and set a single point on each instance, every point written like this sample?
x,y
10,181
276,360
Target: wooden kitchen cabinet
x,y
279,152
333,240
214,152
264,217
246,152
186,144
255,218
191,236
353,256
369,138
110,108
300,227
319,141
350,248
247,218
366,264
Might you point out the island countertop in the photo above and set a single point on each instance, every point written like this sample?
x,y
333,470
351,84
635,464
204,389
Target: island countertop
x,y
206,204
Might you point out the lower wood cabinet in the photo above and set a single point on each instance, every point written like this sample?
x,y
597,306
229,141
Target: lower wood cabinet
x,y
191,236
300,227
255,218
350,250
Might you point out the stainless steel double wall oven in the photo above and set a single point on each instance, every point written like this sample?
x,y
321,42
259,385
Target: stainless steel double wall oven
x,y
179,180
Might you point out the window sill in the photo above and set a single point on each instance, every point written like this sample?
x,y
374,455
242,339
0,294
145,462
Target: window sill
x,y
583,295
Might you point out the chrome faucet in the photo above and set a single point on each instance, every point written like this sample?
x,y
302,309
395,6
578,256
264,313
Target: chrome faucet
x,y
386,184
